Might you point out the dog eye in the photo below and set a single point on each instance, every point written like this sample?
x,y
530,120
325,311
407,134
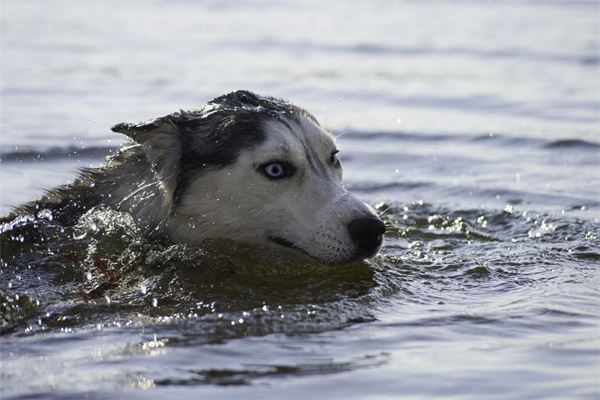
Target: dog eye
x,y
335,161
277,170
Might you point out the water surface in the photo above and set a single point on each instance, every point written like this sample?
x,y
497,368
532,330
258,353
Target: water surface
x,y
472,127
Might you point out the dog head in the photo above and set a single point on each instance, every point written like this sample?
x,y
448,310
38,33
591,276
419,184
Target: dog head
x,y
260,171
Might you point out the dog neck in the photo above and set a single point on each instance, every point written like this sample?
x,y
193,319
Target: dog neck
x,y
129,184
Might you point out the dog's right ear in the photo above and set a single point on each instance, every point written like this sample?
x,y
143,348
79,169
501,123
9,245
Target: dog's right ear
x,y
161,143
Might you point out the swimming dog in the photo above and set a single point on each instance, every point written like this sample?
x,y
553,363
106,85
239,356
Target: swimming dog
x,y
256,170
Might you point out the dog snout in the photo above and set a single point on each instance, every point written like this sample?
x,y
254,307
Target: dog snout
x,y
367,234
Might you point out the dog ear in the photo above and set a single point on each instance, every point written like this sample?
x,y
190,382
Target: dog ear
x,y
161,142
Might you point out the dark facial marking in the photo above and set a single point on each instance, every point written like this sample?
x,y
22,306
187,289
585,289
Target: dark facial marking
x,y
312,158
214,136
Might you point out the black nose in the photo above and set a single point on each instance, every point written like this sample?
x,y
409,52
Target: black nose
x,y
367,234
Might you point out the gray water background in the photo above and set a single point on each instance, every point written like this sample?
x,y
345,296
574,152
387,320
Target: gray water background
x,y
484,111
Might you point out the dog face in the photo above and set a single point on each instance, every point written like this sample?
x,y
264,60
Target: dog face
x,y
260,171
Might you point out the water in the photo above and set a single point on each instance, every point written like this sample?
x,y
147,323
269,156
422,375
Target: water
x,y
474,128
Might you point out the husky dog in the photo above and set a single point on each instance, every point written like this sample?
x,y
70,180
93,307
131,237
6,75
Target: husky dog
x,y
257,170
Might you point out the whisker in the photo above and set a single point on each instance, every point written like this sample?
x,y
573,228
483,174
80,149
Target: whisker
x,y
137,191
382,213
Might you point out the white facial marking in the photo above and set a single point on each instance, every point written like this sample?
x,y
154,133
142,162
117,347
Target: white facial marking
x,y
283,192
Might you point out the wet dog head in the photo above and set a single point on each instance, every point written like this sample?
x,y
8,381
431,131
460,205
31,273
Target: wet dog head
x,y
257,170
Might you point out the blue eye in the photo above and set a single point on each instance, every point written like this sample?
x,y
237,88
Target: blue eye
x,y
277,170
335,161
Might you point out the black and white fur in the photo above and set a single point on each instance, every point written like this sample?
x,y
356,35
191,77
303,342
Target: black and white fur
x,y
257,170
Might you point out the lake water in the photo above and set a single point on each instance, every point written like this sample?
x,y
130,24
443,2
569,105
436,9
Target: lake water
x,y
474,127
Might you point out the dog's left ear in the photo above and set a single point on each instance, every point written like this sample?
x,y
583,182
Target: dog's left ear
x,y
161,143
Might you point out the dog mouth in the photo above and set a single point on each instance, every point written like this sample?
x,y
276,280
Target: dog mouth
x,y
356,256
286,243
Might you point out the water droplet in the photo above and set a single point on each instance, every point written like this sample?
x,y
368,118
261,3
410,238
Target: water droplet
x,y
79,236
45,214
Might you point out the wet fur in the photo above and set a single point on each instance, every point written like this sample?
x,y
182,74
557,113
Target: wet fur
x,y
189,176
